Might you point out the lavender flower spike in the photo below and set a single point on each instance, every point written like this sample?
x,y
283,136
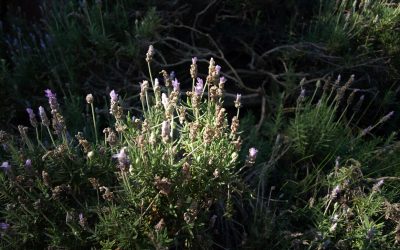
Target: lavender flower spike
x,y
199,86
175,84
253,153
28,163
4,226
43,116
122,159
238,102
32,117
114,96
52,101
217,69
5,166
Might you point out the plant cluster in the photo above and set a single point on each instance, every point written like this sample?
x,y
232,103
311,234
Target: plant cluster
x,y
169,177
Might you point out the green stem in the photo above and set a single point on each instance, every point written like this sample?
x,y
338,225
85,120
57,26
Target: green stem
x,y
94,122
51,136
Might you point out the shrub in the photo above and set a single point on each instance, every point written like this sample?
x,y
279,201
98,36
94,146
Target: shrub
x,y
169,178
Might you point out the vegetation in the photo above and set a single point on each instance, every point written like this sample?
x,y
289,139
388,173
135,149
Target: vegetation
x,y
162,153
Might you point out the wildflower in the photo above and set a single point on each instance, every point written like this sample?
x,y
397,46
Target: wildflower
x,y
160,225
156,83
253,154
32,117
193,68
114,108
82,221
378,185
163,185
114,96
165,130
123,161
150,54
386,117
217,69
43,117
234,125
108,195
175,85
46,178
28,163
4,226
5,166
52,101
89,98
302,95
335,192
198,89
144,86
238,101
366,130
222,81
164,100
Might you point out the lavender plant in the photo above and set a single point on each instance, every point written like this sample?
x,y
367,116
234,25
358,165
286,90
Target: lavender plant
x,y
168,178
177,166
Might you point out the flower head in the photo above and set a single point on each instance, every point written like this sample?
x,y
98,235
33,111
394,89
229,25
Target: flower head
x,y
89,98
32,117
194,60
52,100
4,226
165,130
156,83
49,94
238,102
5,166
175,84
164,100
122,158
150,54
114,96
198,89
28,163
217,69
30,113
253,153
43,117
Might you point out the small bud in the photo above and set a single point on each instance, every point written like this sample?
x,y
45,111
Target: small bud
x,y
90,154
89,98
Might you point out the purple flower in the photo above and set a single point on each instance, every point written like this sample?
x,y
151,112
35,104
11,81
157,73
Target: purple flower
x,y
222,80
43,117
194,60
238,98
30,113
217,69
81,216
172,75
253,153
52,100
4,226
164,100
49,94
198,89
114,96
5,166
122,158
28,163
175,84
